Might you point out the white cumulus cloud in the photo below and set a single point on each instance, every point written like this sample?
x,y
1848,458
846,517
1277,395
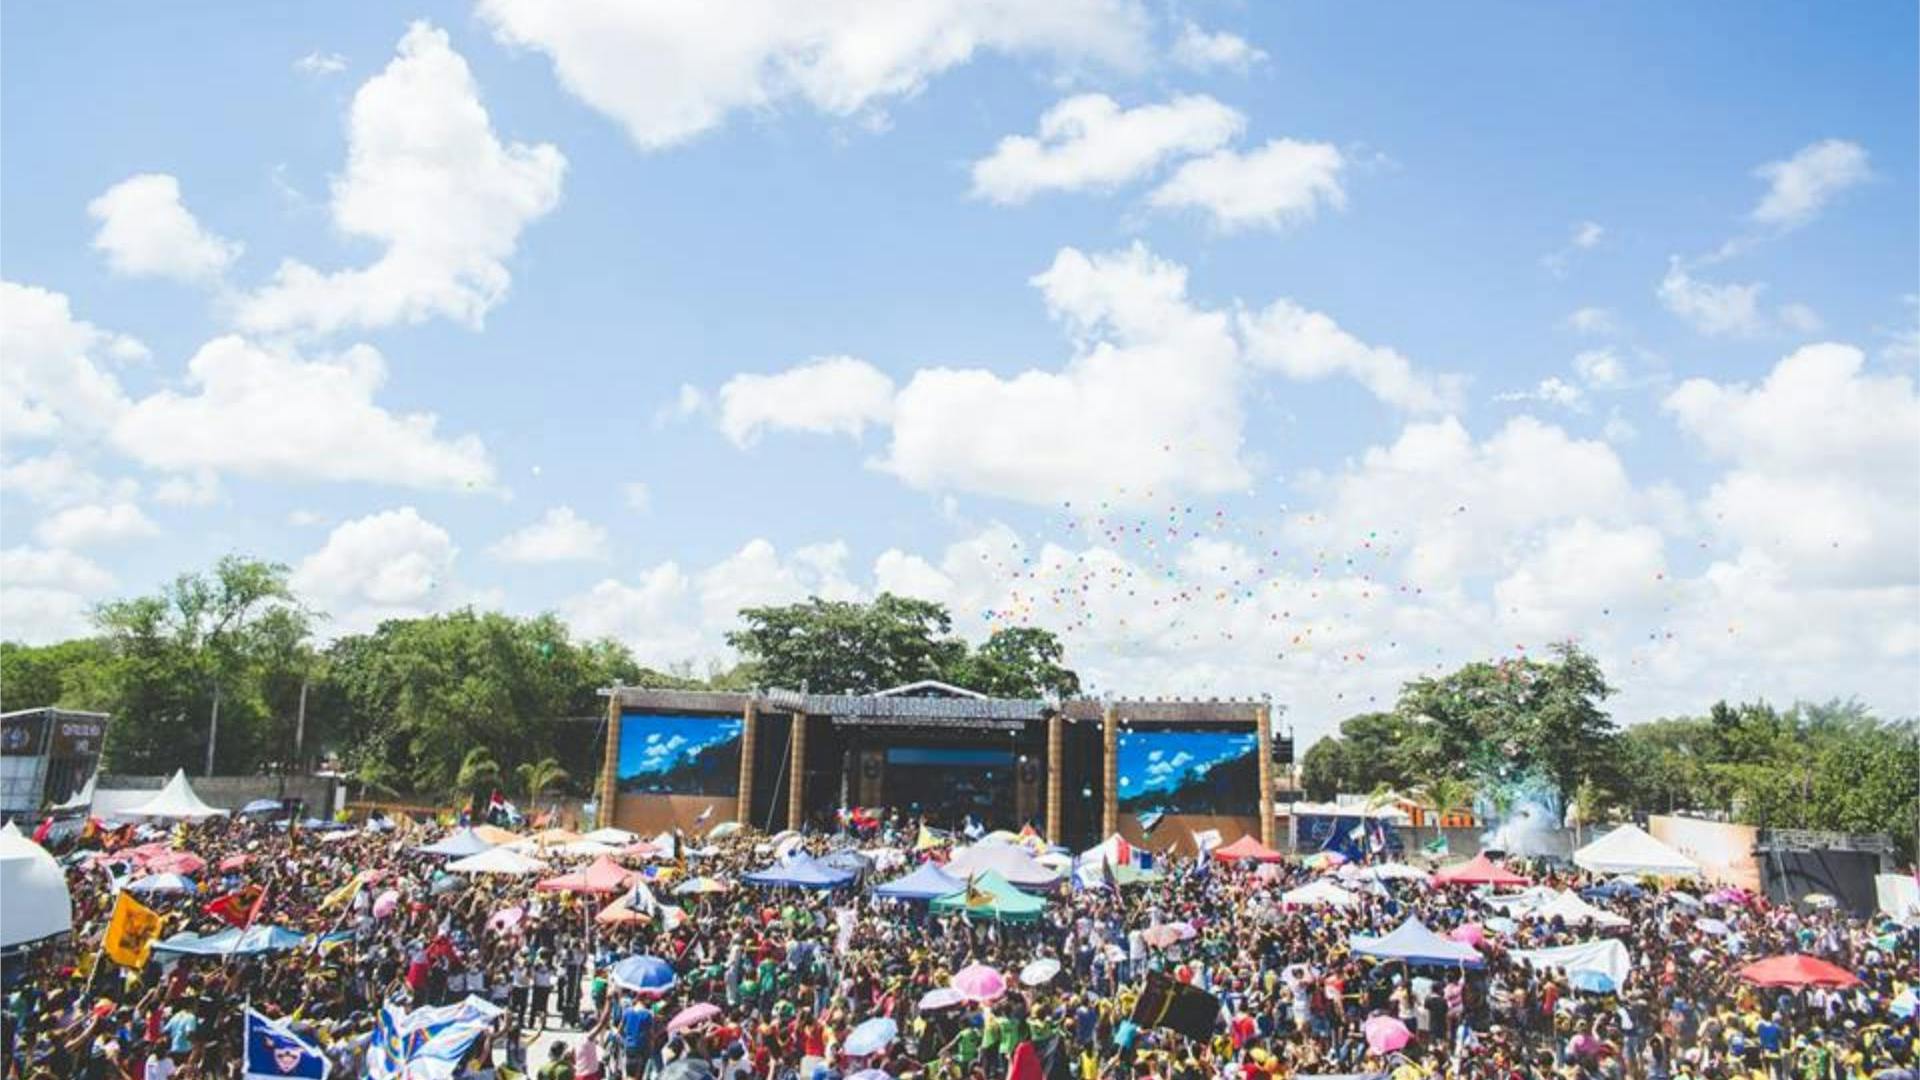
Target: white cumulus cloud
x,y
56,377
146,231
559,536
429,181
1203,50
388,565
91,524
1799,187
1277,185
834,395
667,73
1088,142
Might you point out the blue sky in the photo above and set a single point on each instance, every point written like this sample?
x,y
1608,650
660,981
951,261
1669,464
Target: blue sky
x,y
1459,330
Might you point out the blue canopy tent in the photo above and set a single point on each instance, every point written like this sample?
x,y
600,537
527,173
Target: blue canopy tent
x,y
456,845
798,874
926,883
234,942
1415,944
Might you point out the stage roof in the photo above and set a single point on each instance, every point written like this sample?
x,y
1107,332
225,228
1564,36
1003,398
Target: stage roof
x,y
896,704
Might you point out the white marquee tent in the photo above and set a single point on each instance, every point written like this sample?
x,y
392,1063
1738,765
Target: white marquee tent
x,y
1317,894
1606,956
34,902
1569,908
1630,849
176,800
497,861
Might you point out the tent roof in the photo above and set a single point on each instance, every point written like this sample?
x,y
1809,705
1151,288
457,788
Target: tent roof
x,y
1478,870
83,798
1630,849
602,876
34,901
1319,892
497,860
927,882
1010,862
1247,847
494,834
1416,944
1604,955
176,800
799,874
1797,970
1002,901
458,844
1569,907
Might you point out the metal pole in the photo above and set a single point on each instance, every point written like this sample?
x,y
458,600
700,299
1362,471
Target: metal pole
x,y
300,724
213,729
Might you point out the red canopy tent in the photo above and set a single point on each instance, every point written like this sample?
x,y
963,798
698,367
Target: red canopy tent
x,y
1247,848
1478,870
1797,971
603,876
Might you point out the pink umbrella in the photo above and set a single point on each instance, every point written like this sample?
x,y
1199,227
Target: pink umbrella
x,y
1166,934
692,1016
506,919
978,982
386,903
1471,933
1385,1035
235,862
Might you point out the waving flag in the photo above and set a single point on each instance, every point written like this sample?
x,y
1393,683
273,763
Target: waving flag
x,y
239,907
427,1043
275,1052
130,932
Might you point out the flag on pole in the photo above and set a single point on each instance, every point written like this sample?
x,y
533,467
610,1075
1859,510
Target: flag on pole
x,y
704,815
427,1043
130,932
1436,846
239,907
274,1052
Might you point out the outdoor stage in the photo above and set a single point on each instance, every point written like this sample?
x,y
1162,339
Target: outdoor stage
x,y
1077,770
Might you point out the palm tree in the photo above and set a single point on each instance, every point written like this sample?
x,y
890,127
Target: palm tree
x,y
1446,794
479,773
540,775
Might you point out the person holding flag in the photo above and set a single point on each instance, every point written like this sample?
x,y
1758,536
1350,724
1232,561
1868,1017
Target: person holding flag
x,y
275,1052
131,932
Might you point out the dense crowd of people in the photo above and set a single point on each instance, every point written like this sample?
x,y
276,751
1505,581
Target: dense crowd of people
x,y
791,974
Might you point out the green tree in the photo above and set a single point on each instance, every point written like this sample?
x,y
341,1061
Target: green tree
x,y
479,774
1538,714
1369,751
538,776
1446,794
831,646
1017,662
66,673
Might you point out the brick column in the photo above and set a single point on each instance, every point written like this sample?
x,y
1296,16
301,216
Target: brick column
x,y
1109,772
1056,775
610,763
749,739
1264,717
797,772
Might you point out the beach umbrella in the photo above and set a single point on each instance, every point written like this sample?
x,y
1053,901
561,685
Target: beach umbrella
x,y
1386,1035
176,862
1040,972
700,886
262,806
1471,933
1904,1005
945,997
978,982
870,1037
616,837
158,884
386,903
723,830
1711,926
692,1016
1168,934
648,976
687,1068
506,919
235,862
1819,900
1795,970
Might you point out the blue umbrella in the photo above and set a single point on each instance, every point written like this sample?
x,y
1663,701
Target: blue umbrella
x,y
871,1037
262,806
648,976
1593,982
162,883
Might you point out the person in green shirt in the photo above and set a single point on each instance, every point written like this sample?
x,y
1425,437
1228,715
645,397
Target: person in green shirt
x,y
559,1064
965,1047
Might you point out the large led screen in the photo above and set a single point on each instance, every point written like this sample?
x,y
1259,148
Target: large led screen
x,y
1189,772
679,755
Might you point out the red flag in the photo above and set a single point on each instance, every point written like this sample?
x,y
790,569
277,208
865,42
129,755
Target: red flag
x,y
40,834
239,907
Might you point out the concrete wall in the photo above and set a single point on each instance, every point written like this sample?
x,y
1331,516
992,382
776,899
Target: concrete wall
x,y
234,792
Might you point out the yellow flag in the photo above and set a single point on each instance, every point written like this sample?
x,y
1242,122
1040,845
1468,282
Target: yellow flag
x,y
926,840
130,932
344,895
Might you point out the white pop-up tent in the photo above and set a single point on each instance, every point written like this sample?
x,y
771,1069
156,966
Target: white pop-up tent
x,y
1569,908
1605,956
1319,894
34,901
1630,849
176,800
